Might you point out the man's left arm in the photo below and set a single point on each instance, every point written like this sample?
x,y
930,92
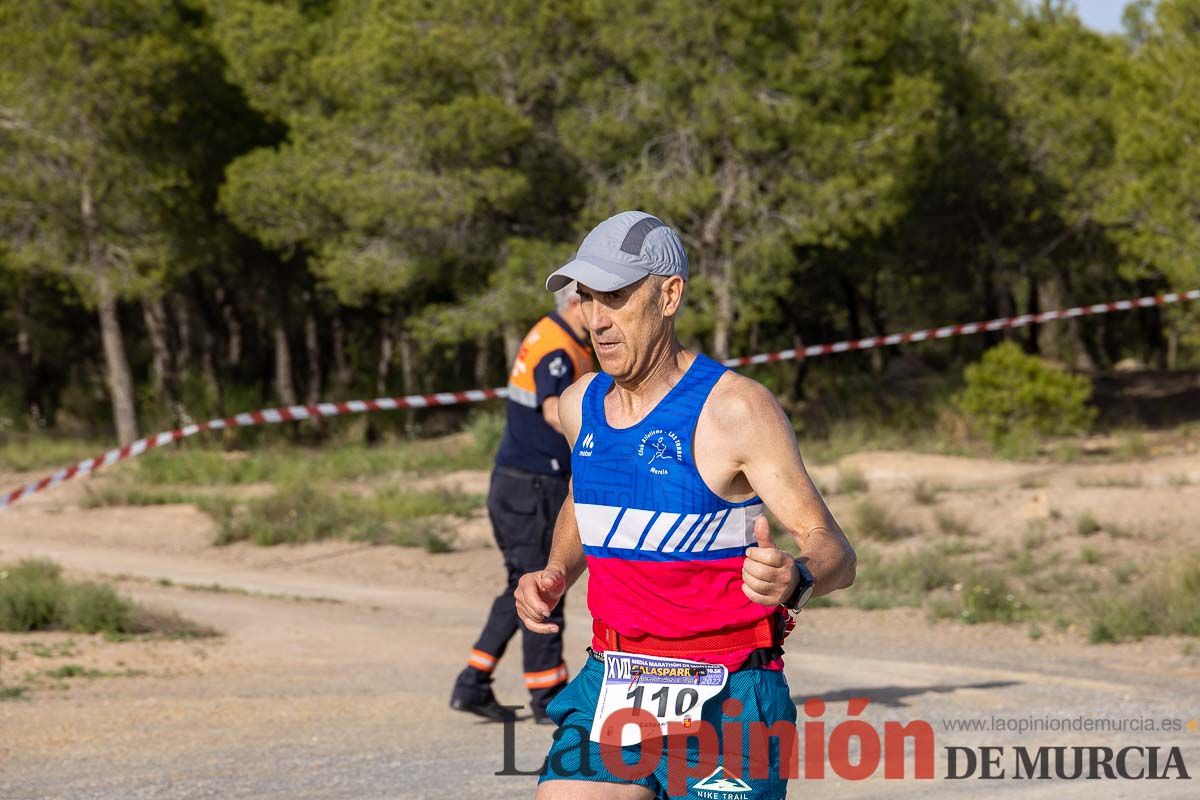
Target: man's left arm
x,y
770,459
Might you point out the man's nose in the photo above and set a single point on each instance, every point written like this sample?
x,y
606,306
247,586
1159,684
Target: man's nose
x,y
598,320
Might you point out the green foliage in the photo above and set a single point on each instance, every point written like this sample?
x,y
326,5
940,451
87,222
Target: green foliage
x,y
925,493
987,597
20,453
1154,199
291,465
906,580
951,524
1010,397
1167,604
1087,525
29,595
299,513
873,521
391,181
127,495
34,596
851,480
486,428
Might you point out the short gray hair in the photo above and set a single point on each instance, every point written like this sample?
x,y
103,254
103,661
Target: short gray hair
x,y
564,296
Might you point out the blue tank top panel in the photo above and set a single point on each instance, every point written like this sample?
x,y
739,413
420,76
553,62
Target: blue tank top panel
x,y
650,465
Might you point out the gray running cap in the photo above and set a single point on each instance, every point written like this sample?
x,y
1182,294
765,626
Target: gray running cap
x,y
621,250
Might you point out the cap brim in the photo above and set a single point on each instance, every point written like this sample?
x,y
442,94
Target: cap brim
x,y
602,277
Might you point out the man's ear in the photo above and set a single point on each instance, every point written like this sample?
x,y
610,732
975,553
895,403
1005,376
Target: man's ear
x,y
670,294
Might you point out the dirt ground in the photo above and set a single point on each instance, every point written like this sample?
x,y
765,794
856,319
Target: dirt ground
x,y
333,670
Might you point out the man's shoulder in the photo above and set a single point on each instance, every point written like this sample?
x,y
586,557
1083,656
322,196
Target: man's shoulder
x,y
573,395
737,400
570,406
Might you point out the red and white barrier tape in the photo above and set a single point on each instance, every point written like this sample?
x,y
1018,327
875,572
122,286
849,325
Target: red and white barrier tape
x,y
270,416
964,329
266,416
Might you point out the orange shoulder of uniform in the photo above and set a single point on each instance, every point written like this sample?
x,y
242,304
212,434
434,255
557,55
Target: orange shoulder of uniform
x,y
544,338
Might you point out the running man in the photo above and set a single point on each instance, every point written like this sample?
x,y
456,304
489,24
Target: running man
x,y
527,489
674,459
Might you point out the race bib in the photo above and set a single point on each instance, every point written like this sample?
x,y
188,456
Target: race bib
x,y
668,689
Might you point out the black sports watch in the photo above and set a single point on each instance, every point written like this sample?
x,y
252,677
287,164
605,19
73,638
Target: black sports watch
x,y
804,588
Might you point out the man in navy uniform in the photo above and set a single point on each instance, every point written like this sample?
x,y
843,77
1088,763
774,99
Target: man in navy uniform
x,y
528,486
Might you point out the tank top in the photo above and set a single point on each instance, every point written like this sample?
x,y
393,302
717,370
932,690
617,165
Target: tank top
x,y
664,552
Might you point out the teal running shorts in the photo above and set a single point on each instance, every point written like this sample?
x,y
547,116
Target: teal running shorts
x,y
678,768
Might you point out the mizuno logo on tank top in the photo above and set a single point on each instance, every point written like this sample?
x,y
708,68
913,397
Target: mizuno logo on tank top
x,y
664,552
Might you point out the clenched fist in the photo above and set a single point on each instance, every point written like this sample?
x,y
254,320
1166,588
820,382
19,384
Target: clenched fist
x,y
767,572
537,593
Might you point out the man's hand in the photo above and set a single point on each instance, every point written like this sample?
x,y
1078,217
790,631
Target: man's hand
x,y
767,572
537,593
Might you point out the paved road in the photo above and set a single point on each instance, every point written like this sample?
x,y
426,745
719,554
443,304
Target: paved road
x,y
347,701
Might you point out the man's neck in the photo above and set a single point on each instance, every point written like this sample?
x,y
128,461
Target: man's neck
x,y
667,363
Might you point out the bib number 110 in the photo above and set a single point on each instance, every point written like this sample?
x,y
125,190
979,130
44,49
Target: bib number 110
x,y
685,699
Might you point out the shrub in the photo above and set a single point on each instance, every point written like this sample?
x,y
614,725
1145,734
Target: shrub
x,y
951,524
904,580
486,428
34,597
1011,397
29,594
925,493
1165,605
874,522
986,597
1087,525
299,513
852,481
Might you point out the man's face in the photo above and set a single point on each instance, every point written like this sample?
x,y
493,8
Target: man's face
x,y
625,323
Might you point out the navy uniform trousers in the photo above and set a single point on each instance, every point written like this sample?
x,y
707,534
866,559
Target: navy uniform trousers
x,y
523,507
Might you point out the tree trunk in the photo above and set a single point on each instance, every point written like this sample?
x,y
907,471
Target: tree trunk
x,y
408,377
717,264
722,283
387,348
233,326
1033,306
155,316
342,373
208,368
30,391
512,342
481,361
1061,339
285,390
312,352
183,329
117,374
408,364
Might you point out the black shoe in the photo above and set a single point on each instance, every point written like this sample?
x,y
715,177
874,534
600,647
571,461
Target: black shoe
x,y
488,709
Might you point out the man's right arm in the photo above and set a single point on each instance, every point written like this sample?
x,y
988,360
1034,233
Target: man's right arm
x,y
539,592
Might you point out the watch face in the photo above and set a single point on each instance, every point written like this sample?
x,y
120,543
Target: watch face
x,y
805,596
